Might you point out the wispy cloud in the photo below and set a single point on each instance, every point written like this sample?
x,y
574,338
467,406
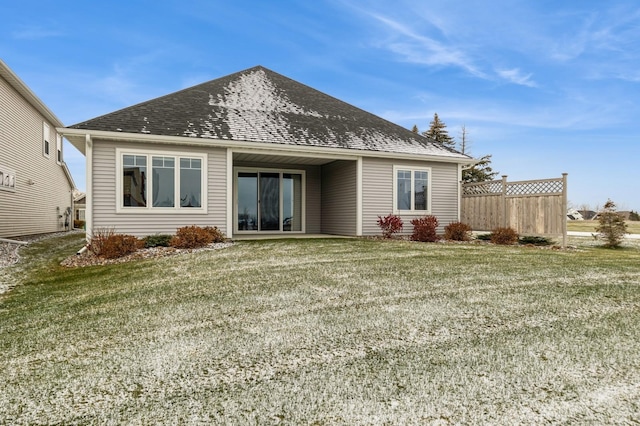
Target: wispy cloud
x,y
421,49
515,76
35,33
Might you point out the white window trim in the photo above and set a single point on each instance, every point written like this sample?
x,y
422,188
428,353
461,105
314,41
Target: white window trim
x,y
120,152
58,149
45,140
303,195
412,211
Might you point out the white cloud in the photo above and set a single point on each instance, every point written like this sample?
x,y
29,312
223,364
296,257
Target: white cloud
x,y
515,76
421,49
35,33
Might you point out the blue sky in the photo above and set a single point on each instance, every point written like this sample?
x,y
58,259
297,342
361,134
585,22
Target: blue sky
x,y
546,87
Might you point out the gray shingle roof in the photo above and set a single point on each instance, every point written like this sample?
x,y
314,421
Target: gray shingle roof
x,y
259,105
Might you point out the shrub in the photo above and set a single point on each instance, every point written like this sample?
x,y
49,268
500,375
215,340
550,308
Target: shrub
x,y
78,224
457,231
217,236
390,225
504,236
611,226
109,245
194,237
157,240
424,229
535,240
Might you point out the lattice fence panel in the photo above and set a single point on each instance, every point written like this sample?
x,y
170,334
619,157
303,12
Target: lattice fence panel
x,y
482,188
535,187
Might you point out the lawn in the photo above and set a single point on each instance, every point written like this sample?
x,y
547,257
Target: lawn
x,y
633,227
325,332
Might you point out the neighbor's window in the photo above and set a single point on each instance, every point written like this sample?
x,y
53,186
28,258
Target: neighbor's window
x,y
171,178
45,139
58,149
411,189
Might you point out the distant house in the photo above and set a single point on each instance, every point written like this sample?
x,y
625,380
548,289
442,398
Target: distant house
x,y
35,183
588,214
79,206
574,214
258,153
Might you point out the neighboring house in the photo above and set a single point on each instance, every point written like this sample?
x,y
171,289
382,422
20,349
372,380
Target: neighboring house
x,y
573,214
588,214
79,206
36,186
258,153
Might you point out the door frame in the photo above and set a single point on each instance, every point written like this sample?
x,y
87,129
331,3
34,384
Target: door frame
x,y
258,170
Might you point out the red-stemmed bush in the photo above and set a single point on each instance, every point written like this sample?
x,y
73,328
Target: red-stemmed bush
x,y
424,229
457,231
390,225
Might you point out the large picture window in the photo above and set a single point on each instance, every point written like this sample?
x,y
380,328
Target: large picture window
x,y
411,190
158,182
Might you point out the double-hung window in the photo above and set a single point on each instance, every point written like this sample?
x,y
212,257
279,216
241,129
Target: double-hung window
x,y
412,192
46,146
161,182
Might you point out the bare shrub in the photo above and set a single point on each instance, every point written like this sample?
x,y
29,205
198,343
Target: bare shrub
x,y
107,244
189,237
217,236
424,229
457,231
504,236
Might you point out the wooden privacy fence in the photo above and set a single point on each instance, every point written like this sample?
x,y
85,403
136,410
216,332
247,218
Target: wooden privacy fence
x,y
532,207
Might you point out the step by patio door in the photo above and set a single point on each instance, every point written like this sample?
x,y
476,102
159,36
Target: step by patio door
x,y
268,201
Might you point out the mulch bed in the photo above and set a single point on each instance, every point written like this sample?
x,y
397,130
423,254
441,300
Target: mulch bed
x,y
87,258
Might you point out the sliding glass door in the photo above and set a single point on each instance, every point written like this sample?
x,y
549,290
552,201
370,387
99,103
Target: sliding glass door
x,y
269,200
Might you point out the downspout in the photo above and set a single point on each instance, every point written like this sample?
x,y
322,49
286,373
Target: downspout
x,y
88,146
229,200
359,197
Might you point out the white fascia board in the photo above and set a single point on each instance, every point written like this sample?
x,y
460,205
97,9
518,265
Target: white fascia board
x,y
280,149
24,90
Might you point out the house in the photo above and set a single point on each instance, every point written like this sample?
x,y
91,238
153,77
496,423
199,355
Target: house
x,y
258,153
35,183
79,206
573,214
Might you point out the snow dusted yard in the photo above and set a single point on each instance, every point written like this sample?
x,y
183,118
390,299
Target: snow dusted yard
x,y
324,332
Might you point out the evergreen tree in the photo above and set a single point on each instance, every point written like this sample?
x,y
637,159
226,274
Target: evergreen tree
x,y
611,226
415,129
438,132
479,172
634,216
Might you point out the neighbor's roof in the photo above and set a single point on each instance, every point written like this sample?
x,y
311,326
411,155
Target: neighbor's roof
x,y
259,105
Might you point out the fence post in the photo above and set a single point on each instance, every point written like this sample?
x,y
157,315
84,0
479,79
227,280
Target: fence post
x,y
564,210
503,200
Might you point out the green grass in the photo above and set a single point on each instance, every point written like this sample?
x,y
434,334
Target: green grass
x,y
633,227
324,332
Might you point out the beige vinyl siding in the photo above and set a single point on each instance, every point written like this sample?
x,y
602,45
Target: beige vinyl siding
x,y
141,224
312,190
377,192
33,208
339,198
